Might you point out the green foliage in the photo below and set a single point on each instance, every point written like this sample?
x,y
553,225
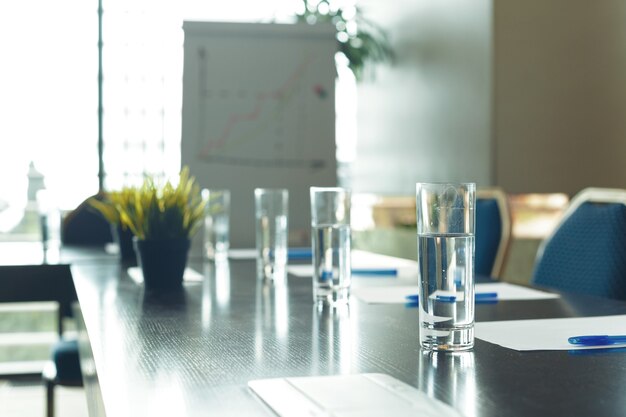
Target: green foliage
x,y
153,211
360,39
111,200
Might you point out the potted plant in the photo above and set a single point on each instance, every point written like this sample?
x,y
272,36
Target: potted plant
x,y
360,39
162,218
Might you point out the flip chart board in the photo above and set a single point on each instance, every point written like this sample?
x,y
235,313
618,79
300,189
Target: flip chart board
x,y
259,111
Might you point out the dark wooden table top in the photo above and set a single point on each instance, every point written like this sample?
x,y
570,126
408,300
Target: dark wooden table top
x,y
191,353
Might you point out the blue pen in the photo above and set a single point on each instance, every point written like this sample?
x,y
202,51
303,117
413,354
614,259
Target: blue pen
x,y
414,298
376,272
364,272
483,295
488,298
479,296
299,253
597,340
415,302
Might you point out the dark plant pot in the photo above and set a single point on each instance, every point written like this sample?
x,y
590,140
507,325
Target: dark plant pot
x,y
124,240
162,262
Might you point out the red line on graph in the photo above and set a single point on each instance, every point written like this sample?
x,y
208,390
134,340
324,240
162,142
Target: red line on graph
x,y
261,98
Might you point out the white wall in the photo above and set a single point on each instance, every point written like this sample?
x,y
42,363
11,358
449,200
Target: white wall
x,y
429,117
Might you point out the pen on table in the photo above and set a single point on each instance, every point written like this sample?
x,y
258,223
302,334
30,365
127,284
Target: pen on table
x,y
484,298
366,273
299,253
415,303
597,340
479,296
375,271
306,253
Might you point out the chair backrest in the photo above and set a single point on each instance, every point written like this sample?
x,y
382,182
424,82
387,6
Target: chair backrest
x,y
493,232
29,283
586,253
85,226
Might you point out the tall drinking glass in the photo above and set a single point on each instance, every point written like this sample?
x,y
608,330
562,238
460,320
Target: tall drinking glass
x,y
445,253
271,207
216,223
330,241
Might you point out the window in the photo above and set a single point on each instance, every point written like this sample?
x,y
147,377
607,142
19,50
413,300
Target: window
x,y
49,96
48,104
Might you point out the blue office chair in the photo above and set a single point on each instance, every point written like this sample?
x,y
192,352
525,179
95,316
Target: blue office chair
x,y
492,232
85,226
586,253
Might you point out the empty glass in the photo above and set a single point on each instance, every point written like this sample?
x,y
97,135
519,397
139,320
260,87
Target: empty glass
x,y
271,213
330,241
216,223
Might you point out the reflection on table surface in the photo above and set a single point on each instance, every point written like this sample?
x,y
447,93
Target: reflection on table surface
x,y
193,351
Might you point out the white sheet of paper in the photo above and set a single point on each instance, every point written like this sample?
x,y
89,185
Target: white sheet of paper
x,y
366,260
397,294
364,395
242,253
190,275
384,294
549,334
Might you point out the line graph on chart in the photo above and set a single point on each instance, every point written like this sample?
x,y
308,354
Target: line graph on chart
x,y
246,123
259,111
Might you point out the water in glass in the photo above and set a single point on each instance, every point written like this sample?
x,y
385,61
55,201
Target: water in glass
x,y
446,302
217,240
331,263
271,235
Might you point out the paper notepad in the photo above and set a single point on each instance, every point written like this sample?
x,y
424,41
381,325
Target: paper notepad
x,y
361,395
397,294
134,272
549,334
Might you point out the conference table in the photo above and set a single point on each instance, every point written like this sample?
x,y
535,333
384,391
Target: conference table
x,y
192,352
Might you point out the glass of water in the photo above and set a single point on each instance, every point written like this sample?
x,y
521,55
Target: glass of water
x,y
271,213
445,253
330,241
216,223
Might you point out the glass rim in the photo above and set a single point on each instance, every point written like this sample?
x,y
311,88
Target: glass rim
x,y
455,184
272,190
215,190
328,189
446,183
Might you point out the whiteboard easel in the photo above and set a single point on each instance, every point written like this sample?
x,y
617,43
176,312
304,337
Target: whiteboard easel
x,y
259,111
